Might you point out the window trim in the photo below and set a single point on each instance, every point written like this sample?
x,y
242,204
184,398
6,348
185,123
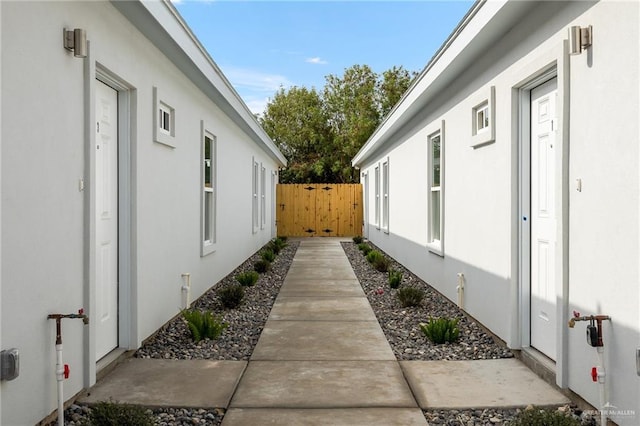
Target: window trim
x,y
208,246
160,133
385,196
263,196
433,245
255,187
486,134
377,196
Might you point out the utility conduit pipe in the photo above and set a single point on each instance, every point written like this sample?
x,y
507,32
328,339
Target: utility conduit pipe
x,y
62,370
460,290
598,373
186,290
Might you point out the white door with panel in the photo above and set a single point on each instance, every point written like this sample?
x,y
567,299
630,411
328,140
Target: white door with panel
x,y
106,250
543,218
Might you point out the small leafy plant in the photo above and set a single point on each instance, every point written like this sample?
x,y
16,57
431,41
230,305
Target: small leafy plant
x,y
410,296
268,255
381,264
364,248
204,325
441,330
395,278
537,417
373,255
231,296
248,278
357,239
114,414
262,266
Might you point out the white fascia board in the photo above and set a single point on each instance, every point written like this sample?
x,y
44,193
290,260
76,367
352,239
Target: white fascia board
x,y
161,23
457,53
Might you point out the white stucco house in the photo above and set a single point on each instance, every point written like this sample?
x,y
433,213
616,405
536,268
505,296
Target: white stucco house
x,y
510,170
126,163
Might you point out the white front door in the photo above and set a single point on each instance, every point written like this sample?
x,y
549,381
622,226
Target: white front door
x,y
106,250
543,218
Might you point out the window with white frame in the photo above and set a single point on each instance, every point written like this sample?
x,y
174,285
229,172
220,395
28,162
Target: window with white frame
x,y
435,192
377,197
209,190
385,196
255,206
263,196
483,117
164,120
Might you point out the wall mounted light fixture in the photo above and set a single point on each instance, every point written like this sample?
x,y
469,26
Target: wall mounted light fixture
x,y
579,39
76,40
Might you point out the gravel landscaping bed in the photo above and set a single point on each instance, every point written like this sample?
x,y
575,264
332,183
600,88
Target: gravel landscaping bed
x,y
488,417
401,325
173,340
75,415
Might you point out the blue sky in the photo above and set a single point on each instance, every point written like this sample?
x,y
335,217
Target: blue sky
x,y
263,45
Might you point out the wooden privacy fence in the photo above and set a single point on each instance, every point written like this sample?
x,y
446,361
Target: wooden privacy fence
x,y
311,210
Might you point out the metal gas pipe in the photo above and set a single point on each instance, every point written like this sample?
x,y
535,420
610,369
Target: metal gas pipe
x,y
594,338
62,370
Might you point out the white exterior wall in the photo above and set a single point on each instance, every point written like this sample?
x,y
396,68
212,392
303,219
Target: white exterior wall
x,y
47,230
598,231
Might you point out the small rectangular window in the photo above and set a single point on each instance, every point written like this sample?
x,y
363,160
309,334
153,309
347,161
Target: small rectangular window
x,y
482,118
164,121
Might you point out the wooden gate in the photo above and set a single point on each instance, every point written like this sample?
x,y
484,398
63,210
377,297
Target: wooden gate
x,y
312,210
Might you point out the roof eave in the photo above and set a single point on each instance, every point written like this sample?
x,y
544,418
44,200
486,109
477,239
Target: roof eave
x,y
162,24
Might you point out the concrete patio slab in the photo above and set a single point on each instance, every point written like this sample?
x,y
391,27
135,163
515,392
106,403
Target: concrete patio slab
x,y
323,384
325,417
170,383
321,288
322,309
319,340
478,384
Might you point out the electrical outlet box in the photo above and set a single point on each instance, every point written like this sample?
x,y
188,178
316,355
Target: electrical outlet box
x,y
9,364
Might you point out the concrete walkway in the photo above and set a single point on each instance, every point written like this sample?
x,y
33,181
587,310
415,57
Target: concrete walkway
x,y
323,359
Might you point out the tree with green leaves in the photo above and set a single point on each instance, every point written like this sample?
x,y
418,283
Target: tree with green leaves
x,y
320,135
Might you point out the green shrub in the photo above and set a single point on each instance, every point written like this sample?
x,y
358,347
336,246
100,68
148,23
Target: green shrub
x,y
248,278
373,255
204,325
364,248
381,264
262,266
357,239
113,414
441,330
537,417
274,247
231,296
268,255
395,278
410,296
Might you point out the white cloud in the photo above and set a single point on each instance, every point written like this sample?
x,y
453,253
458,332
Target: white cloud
x,y
255,81
316,60
256,105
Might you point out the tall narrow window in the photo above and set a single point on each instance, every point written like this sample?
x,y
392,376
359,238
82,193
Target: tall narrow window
x,y
377,197
435,185
263,197
209,189
255,206
385,196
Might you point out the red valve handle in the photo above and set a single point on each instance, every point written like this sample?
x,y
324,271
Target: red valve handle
x,y
594,374
66,371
